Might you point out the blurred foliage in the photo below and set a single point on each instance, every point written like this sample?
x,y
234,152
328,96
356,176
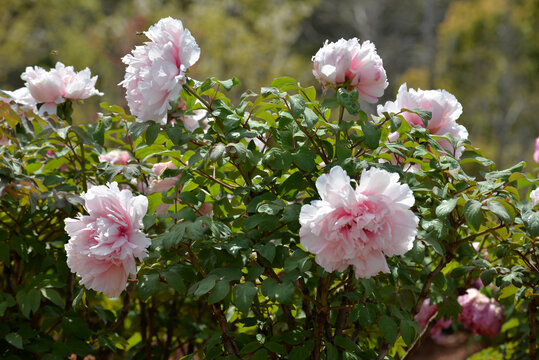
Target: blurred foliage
x,y
482,51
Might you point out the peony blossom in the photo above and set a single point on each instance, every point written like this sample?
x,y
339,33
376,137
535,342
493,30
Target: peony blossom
x,y
155,71
426,312
445,110
53,87
358,226
103,245
23,97
347,62
165,184
118,157
534,196
479,313
536,153
198,119
78,85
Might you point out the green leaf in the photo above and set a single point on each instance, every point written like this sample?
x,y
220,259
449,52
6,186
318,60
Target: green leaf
x,y
425,115
487,276
137,128
395,122
205,285
473,214
497,208
147,285
461,271
388,328
304,159
152,132
331,352
219,292
446,207
310,118
217,152
14,339
346,344
243,295
348,99
267,250
284,81
175,280
372,134
297,105
275,347
408,331
53,296
531,220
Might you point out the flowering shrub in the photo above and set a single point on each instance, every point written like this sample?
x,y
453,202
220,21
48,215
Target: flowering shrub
x,y
270,230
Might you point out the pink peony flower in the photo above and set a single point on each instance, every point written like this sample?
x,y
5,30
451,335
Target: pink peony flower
x,y
352,63
78,85
534,196
103,245
198,119
118,157
165,184
23,97
445,111
536,153
51,88
358,226
479,313
426,312
156,71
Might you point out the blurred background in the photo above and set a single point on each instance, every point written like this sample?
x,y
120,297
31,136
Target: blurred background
x,y
485,52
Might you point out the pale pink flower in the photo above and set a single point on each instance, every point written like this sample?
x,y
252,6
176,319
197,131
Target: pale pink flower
x,y
53,87
162,184
426,312
78,85
103,245
534,196
536,153
445,110
347,62
118,157
480,314
155,71
358,226
23,97
197,119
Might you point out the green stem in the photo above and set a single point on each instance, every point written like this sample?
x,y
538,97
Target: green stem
x,y
194,93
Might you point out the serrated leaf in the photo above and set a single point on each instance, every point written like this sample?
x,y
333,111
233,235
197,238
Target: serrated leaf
x,y
473,214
